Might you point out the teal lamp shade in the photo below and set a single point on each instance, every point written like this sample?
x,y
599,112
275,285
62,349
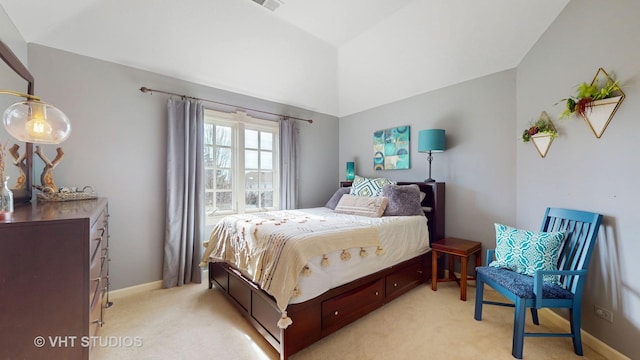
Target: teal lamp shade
x,y
430,141
351,171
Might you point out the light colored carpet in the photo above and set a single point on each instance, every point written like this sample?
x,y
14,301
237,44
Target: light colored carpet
x,y
193,322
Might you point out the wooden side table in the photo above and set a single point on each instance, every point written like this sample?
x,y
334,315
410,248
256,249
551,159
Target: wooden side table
x,y
459,248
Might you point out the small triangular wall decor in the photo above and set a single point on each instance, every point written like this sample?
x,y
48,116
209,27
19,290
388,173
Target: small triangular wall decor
x,y
542,142
600,112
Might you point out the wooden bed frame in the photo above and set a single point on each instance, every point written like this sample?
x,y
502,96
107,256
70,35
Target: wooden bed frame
x,y
338,307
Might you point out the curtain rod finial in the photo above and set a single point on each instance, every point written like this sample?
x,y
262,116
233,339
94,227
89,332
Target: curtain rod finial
x,y
144,89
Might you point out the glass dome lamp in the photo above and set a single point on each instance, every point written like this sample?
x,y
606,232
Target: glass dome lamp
x,y
35,121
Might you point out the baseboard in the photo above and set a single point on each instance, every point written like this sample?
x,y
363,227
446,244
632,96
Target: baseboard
x,y
136,289
587,339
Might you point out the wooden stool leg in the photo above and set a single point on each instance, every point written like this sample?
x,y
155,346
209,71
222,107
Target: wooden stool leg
x,y
451,274
463,278
434,270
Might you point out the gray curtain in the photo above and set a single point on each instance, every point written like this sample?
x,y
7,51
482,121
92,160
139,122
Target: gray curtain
x,y
288,164
185,218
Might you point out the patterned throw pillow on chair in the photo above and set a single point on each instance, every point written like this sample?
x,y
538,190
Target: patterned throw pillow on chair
x,y
362,186
525,251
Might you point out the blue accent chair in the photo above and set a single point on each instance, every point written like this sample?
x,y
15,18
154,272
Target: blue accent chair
x,y
531,292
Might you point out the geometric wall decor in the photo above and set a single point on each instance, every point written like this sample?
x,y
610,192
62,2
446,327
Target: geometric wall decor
x,y
600,112
542,142
541,133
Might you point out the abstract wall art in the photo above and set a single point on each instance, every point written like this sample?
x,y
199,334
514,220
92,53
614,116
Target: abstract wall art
x,y
391,148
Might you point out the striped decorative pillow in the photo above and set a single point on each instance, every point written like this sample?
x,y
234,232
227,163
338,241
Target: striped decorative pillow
x,y
371,206
363,186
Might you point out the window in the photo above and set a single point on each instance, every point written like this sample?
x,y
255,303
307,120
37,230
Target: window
x,y
241,164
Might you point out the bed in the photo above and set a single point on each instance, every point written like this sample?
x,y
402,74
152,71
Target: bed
x,y
293,320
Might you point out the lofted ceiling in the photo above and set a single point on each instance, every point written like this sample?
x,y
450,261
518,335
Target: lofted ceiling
x,y
136,33
333,21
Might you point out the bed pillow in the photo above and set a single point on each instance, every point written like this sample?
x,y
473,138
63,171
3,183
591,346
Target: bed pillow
x,y
404,200
331,204
362,186
371,206
525,251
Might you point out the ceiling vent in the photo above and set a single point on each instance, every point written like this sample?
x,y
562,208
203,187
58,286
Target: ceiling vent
x,y
269,4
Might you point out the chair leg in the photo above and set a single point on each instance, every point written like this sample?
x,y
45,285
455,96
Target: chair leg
x,y
518,329
479,296
574,318
534,316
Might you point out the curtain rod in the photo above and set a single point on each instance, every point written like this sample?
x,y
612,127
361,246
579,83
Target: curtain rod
x,y
145,89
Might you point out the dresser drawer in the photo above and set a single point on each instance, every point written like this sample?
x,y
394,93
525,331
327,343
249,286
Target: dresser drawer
x,y
346,308
403,279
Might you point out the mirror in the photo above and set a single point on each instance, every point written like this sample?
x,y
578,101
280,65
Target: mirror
x,y
15,77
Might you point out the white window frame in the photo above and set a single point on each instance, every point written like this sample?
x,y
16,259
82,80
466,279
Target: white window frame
x,y
239,122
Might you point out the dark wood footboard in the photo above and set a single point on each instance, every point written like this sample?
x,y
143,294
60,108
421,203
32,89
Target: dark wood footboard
x,y
323,315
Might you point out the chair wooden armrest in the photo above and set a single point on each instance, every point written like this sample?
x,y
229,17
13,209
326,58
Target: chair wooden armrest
x,y
538,281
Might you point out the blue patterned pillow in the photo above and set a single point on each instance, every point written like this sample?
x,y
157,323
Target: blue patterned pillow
x,y
363,186
526,251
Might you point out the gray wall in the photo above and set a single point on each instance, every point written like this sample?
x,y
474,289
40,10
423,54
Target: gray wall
x,y
117,146
581,171
479,164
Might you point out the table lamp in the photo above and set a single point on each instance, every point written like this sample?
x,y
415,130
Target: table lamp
x,y
430,141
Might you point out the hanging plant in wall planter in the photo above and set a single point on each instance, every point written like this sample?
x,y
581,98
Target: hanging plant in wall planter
x,y
596,103
541,133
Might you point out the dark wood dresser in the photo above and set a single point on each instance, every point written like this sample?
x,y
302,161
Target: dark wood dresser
x,y
54,266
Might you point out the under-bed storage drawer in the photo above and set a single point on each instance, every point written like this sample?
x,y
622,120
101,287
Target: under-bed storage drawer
x,y
263,312
240,291
404,279
346,308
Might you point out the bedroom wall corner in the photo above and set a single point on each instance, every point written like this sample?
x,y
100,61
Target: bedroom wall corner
x,y
584,172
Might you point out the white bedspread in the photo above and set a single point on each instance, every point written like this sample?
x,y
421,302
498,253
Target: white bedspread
x,y
401,238
273,248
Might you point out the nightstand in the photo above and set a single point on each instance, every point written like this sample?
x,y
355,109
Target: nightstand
x,y
461,249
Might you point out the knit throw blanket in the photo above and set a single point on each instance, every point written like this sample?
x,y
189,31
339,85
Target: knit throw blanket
x,y
272,248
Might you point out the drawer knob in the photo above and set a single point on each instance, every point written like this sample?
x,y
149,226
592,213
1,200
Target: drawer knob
x,y
395,284
335,313
377,293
